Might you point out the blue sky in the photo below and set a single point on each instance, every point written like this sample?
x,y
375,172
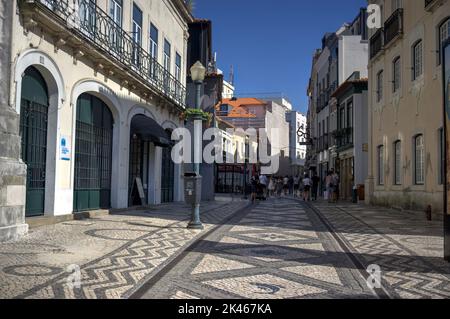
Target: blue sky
x,y
270,42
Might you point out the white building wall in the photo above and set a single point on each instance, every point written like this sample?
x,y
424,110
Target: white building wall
x,y
68,77
353,57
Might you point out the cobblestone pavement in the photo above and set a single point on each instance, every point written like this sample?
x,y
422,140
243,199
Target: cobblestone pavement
x,y
288,249
116,253
407,247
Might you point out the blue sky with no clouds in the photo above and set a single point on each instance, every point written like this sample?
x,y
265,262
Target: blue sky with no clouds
x,y
270,42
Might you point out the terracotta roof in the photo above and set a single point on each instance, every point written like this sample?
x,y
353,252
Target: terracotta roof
x,y
237,107
243,101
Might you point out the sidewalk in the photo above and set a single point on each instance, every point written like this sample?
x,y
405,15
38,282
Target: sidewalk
x,y
115,253
407,247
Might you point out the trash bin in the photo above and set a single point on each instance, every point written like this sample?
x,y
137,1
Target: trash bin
x,y
355,195
192,188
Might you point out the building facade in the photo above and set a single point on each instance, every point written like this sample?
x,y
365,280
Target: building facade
x,y
343,52
97,102
297,141
351,135
406,160
259,114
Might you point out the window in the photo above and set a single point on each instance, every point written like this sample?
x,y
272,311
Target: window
x,y
397,163
444,34
350,121
178,67
396,75
380,165
167,52
419,160
154,33
115,11
137,33
441,157
380,86
417,60
341,118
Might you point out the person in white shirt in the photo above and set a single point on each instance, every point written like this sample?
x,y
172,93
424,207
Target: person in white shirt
x,y
306,187
296,186
263,182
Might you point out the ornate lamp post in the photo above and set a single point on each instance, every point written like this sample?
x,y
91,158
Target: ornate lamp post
x,y
198,72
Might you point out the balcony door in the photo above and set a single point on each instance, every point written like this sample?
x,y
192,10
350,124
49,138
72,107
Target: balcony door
x,y
137,34
87,14
116,14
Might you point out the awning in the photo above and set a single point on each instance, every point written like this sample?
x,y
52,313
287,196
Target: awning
x,y
149,130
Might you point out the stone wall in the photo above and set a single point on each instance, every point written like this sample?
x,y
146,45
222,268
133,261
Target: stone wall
x,y
12,170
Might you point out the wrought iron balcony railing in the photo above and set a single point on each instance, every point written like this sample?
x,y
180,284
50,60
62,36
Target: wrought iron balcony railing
x,y
431,4
393,26
343,138
89,21
376,43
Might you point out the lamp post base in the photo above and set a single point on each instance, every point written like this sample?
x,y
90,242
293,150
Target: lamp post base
x,y
195,222
193,225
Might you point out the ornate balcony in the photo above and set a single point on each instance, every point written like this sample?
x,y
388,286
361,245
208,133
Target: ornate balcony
x,y
430,5
85,27
393,27
343,138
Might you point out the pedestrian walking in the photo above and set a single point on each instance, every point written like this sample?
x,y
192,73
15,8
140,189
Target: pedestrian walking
x,y
254,189
306,187
279,186
315,186
263,182
296,185
286,185
335,181
329,186
291,185
271,186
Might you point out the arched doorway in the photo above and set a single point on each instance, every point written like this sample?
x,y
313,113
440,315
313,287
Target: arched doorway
x,y
93,154
167,174
33,131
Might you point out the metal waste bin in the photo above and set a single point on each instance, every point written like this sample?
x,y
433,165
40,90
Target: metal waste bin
x,y
355,195
192,189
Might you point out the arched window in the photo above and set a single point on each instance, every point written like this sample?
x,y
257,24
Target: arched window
x,y
419,160
417,58
444,34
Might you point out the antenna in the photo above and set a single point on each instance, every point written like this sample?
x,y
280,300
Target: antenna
x,y
231,80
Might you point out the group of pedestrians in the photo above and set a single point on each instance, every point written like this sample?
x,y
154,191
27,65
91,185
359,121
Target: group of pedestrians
x,y
305,187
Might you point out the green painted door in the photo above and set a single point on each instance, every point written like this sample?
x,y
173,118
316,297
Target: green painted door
x,y
93,154
33,131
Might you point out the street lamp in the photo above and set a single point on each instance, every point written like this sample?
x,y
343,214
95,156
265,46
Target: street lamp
x,y
198,72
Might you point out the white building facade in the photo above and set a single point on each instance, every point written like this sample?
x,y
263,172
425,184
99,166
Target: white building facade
x,y
98,103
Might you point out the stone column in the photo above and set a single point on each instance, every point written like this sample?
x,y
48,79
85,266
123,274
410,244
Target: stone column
x,y
12,169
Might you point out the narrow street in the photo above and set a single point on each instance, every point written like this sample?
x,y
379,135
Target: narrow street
x,y
288,249
281,248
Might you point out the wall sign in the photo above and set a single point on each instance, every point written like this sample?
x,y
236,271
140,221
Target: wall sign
x,y
64,148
